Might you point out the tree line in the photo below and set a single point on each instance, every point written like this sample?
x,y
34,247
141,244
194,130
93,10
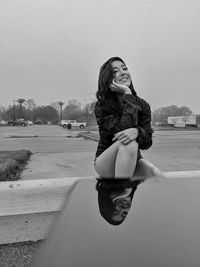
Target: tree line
x,y
54,112
73,109
160,115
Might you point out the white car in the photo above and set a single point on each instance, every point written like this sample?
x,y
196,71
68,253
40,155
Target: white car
x,y
64,123
30,123
3,122
73,123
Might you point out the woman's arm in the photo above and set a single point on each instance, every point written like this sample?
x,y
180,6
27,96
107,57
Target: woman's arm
x,y
145,130
111,122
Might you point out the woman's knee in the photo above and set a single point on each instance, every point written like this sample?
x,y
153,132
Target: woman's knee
x,y
146,169
158,173
155,172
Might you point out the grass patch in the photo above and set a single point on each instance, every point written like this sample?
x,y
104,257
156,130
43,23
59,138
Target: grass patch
x,y
12,164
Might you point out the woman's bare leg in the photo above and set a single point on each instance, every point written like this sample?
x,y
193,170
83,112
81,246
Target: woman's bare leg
x,y
105,163
126,160
145,169
118,161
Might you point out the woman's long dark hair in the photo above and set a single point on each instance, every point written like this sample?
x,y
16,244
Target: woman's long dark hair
x,y
105,79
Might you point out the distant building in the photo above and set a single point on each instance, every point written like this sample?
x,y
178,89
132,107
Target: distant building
x,y
184,121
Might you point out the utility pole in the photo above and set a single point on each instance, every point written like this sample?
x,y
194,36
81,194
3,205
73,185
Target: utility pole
x,y
14,115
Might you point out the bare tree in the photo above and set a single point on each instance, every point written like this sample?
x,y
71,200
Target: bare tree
x,y
55,105
30,104
74,110
45,114
2,113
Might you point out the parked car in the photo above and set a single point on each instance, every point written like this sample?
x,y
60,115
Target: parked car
x,y
73,123
39,122
63,123
20,122
3,122
30,123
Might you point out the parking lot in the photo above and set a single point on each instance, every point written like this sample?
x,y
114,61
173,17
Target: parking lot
x,y
58,152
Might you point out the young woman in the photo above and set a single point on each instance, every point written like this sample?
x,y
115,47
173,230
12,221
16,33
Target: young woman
x,y
124,121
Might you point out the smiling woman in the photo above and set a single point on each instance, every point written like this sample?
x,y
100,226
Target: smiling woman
x,y
124,121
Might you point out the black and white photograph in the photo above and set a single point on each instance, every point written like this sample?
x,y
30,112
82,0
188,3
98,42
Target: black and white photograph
x,y
99,133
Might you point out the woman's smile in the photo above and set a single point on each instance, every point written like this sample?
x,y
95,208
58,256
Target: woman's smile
x,y
121,73
124,79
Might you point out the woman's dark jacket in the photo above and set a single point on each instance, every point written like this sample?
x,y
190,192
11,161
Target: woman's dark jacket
x,y
113,116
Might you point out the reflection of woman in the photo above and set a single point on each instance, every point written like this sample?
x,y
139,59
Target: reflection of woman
x,y
124,121
114,198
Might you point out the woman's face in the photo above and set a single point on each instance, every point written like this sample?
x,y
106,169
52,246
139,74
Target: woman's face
x,y
122,207
121,73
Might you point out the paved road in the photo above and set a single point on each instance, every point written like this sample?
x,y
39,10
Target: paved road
x,y
175,150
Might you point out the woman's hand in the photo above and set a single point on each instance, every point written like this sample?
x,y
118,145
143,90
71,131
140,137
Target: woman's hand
x,y
119,88
126,136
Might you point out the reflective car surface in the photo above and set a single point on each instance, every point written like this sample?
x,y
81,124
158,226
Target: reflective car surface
x,y
155,223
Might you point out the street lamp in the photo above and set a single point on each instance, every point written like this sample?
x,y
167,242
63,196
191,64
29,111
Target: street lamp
x,y
14,114
20,101
61,104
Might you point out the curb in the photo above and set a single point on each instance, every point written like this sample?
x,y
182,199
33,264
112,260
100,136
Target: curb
x,y
90,136
29,207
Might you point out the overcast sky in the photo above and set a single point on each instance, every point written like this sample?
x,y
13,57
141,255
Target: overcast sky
x,y
52,50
